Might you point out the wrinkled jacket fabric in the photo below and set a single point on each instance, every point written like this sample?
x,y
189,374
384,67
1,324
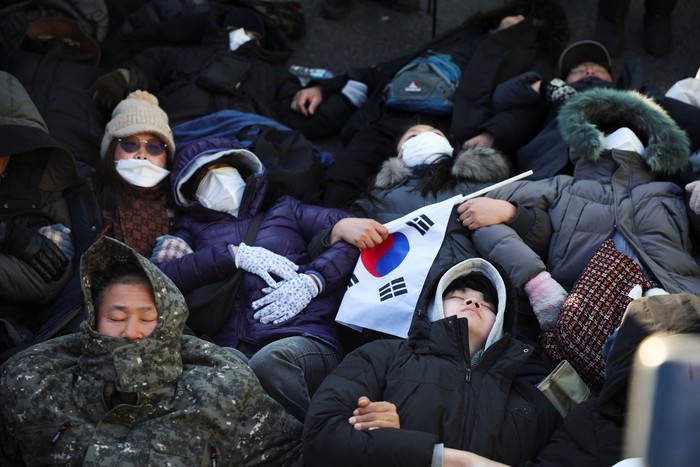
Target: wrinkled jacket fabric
x,y
517,246
486,59
441,395
31,194
617,191
194,400
57,87
286,229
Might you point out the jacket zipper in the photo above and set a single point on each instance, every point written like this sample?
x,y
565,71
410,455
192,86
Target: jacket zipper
x,y
213,456
61,429
465,354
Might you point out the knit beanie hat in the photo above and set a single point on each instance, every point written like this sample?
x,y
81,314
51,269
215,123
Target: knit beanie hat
x,y
138,113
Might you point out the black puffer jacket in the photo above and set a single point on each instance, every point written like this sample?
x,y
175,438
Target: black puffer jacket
x,y
31,195
57,88
486,59
485,403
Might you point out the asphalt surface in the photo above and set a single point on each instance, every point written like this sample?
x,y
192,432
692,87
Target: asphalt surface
x,y
372,33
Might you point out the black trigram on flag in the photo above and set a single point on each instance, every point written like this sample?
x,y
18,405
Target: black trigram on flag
x,y
421,223
392,289
353,280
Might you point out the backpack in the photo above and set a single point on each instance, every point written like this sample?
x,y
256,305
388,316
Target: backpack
x,y
426,84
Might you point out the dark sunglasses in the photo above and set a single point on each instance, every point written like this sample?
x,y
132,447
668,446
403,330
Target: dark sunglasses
x,y
154,146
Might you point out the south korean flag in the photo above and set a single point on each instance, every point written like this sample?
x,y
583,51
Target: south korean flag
x,y
388,278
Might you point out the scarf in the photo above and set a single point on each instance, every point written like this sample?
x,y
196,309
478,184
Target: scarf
x,y
140,221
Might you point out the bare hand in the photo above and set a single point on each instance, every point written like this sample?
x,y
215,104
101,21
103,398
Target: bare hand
x,y
307,100
359,231
484,140
481,212
372,415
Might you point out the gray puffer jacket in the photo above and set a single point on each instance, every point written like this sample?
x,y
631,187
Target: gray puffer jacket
x,y
517,246
614,190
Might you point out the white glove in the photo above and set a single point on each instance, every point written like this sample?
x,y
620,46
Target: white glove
x,y
262,262
286,300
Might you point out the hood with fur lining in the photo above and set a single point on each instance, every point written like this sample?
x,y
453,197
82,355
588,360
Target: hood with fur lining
x,y
587,117
476,164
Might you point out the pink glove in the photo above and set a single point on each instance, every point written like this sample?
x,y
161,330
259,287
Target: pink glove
x,y
546,297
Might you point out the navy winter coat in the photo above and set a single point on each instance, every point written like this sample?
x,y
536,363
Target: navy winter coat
x,y
286,229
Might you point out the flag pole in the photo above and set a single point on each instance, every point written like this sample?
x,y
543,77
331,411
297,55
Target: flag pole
x,y
494,186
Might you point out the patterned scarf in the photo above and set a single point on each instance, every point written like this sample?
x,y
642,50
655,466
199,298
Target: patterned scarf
x,y
140,221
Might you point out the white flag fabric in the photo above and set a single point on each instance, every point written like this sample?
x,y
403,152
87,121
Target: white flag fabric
x,y
388,279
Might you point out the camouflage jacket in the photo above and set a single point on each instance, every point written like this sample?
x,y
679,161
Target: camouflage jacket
x,y
194,403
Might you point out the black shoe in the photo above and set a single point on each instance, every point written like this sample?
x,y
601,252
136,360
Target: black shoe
x,y
657,35
336,9
611,35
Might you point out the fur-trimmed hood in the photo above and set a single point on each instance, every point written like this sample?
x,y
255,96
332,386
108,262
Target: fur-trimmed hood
x,y
586,118
476,164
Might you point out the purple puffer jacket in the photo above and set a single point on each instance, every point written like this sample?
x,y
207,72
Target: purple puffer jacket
x,y
286,229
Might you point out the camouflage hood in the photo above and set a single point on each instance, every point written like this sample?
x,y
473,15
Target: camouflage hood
x,y
134,366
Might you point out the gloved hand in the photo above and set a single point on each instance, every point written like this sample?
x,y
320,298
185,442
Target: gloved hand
x,y
168,248
286,300
110,89
59,234
262,262
40,253
355,91
694,202
556,90
546,297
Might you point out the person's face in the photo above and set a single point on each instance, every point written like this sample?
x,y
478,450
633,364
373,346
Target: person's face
x,y
127,311
142,146
588,69
414,131
4,160
509,21
469,303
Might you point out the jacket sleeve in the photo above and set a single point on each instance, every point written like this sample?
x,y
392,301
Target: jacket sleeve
x,y
337,262
20,283
534,227
208,264
519,113
503,245
328,437
152,69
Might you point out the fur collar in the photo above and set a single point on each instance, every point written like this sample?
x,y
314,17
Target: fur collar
x,y
477,164
587,117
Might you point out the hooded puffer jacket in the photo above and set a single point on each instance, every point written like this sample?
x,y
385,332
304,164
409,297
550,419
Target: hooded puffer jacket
x,y
286,229
483,403
40,169
617,191
195,402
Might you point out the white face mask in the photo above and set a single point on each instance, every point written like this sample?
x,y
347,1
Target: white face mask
x,y
425,148
141,172
237,38
221,189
